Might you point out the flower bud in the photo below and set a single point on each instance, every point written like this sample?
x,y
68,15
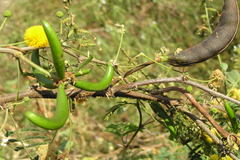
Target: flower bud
x,y
7,13
59,14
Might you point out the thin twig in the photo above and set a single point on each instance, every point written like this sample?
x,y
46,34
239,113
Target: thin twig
x,y
77,93
137,68
173,79
205,128
5,120
20,55
204,112
25,50
139,126
19,137
82,57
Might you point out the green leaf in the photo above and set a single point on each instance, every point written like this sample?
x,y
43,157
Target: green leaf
x,y
232,116
233,77
224,66
116,108
121,129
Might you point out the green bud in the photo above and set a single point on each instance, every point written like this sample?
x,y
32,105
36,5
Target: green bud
x,y
7,13
163,58
189,88
214,110
59,14
26,99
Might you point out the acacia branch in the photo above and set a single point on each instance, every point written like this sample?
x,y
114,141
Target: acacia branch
x,y
12,50
204,112
137,68
135,85
201,109
19,54
205,128
77,93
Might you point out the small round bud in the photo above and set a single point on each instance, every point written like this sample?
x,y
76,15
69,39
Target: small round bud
x,y
59,14
26,99
189,88
7,13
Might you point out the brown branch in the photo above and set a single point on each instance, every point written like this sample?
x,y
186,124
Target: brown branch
x,y
12,50
205,128
82,58
174,79
204,112
131,71
77,93
137,68
30,93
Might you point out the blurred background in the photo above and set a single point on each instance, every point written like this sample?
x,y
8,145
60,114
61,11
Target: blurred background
x,y
151,27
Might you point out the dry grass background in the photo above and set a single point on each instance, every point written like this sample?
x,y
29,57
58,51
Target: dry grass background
x,y
149,26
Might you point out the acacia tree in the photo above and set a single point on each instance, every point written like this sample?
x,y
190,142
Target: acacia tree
x,y
184,116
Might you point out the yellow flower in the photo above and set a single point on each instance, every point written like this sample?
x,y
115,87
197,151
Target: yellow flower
x,y
227,158
36,37
235,93
216,157
207,138
217,79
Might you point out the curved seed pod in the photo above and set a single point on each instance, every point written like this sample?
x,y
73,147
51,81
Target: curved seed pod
x,y
215,43
42,79
56,48
61,114
103,84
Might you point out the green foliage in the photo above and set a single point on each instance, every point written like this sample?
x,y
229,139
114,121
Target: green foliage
x,y
232,117
94,29
187,131
233,77
164,154
121,129
167,120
